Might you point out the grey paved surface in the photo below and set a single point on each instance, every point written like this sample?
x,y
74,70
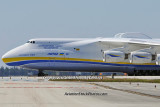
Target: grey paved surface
x,y
146,88
137,77
38,92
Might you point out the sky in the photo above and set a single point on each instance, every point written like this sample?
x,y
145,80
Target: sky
x,y
21,20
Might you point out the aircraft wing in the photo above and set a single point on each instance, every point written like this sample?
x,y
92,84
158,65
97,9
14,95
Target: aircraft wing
x,y
115,41
147,42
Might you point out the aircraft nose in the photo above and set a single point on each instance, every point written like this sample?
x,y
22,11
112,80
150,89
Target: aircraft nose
x,y
10,55
5,56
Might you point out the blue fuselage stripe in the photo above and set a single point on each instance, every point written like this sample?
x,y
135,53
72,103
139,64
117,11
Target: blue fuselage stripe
x,y
19,63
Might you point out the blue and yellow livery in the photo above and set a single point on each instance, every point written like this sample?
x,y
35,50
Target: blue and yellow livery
x,y
139,56
113,55
83,54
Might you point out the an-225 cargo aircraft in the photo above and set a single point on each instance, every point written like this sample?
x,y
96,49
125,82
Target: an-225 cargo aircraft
x,y
132,53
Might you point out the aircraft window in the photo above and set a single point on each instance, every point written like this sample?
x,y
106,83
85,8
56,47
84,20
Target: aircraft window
x,y
30,41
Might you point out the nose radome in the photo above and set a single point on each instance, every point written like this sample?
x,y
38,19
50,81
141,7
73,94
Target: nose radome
x,y
5,56
8,57
10,54
14,52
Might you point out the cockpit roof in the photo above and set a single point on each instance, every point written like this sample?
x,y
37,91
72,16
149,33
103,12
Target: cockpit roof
x,y
53,40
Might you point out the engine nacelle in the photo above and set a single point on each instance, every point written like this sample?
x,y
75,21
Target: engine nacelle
x,y
114,56
141,57
158,59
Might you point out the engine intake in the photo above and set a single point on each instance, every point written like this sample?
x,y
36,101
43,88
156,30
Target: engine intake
x,y
141,57
114,56
158,59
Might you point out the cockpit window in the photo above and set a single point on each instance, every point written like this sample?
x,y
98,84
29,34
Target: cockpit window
x,y
31,42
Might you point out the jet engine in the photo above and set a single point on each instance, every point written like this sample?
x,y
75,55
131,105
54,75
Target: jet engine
x,y
114,56
141,57
158,59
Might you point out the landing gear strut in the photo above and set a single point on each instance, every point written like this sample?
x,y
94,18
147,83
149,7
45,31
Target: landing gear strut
x,y
40,73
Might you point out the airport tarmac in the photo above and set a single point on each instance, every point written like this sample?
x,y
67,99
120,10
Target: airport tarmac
x,y
39,92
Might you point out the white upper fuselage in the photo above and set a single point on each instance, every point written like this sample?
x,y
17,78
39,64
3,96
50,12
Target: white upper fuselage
x,y
42,53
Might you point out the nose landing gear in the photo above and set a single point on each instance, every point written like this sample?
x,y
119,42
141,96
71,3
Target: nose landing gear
x,y
40,73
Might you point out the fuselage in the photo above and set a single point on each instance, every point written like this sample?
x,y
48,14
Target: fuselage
x,y
65,55
48,54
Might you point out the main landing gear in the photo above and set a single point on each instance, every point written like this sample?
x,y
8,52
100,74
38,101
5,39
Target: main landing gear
x,y
145,73
40,73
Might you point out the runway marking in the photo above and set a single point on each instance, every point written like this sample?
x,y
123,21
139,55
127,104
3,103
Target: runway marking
x,y
52,87
39,84
30,83
128,91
